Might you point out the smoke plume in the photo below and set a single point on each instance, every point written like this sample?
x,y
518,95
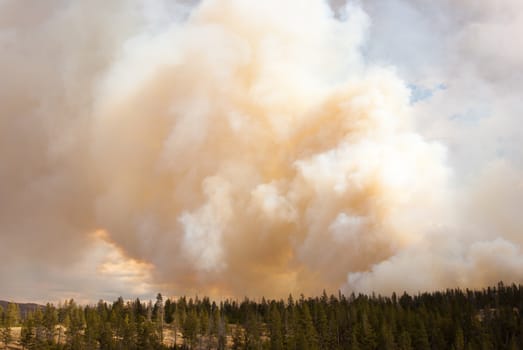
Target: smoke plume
x,y
227,148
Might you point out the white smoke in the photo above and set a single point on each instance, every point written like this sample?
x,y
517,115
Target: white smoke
x,y
231,148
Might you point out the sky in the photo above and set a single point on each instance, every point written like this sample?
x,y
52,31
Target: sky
x,y
238,148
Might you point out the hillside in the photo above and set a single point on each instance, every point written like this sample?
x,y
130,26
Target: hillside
x,y
24,308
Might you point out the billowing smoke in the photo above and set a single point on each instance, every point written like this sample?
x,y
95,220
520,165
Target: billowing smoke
x,y
227,148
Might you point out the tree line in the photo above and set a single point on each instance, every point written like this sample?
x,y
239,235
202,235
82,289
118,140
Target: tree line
x,y
453,319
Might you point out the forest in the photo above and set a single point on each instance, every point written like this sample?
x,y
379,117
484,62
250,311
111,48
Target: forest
x,y
452,319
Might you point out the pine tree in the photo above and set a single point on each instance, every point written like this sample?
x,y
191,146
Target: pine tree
x,y
5,328
437,339
159,315
191,328
354,342
179,317
9,319
221,331
405,342
13,314
368,337
74,326
459,342
169,311
290,325
27,333
92,328
40,333
419,336
130,333
49,322
307,337
276,336
485,320
323,325
386,341
252,329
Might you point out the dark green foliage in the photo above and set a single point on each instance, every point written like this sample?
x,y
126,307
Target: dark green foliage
x,y
8,319
454,319
276,331
191,328
27,334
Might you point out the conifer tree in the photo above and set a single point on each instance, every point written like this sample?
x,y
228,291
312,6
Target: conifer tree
x,y
368,337
9,319
405,342
459,342
5,328
27,333
386,339
49,322
420,340
191,328
159,315
276,335
307,337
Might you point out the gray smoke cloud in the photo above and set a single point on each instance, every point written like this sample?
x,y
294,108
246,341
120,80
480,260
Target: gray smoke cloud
x,y
466,76
234,147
